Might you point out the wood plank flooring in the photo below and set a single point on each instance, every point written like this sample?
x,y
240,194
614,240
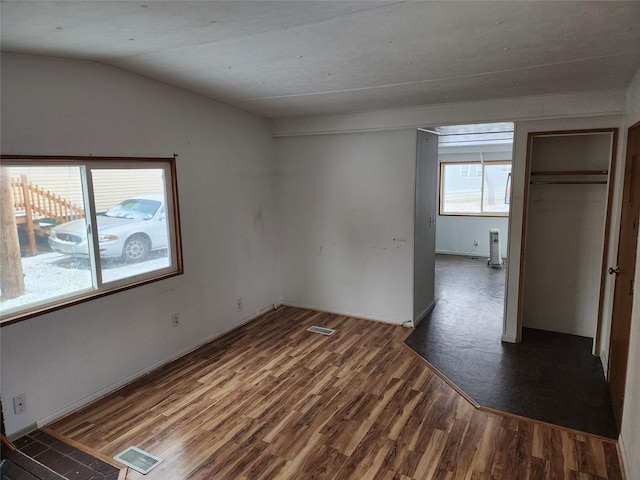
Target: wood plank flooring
x,y
273,401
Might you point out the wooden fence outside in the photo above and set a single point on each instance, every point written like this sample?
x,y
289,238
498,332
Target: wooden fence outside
x,y
35,205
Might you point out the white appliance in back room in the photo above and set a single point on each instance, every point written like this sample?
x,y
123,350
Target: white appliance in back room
x,y
495,260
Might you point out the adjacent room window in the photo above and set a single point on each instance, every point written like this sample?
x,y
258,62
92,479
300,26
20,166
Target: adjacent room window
x,y
475,188
470,170
74,228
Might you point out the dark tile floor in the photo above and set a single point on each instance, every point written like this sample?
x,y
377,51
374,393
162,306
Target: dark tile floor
x,y
22,467
550,376
42,457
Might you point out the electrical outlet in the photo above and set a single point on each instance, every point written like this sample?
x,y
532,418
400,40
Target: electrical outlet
x,y
175,319
19,404
475,243
239,304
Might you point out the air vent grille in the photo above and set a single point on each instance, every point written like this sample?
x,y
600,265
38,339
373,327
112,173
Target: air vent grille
x,y
138,459
322,330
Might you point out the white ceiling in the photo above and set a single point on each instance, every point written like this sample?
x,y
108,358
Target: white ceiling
x,y
300,58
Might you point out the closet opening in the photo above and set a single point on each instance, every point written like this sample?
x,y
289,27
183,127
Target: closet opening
x,y
565,236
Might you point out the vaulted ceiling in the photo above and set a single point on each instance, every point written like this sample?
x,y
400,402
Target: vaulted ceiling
x,y
300,58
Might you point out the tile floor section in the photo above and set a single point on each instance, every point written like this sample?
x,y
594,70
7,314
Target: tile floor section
x,y
550,376
42,457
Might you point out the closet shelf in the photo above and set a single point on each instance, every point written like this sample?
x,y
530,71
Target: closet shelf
x,y
569,177
570,172
568,182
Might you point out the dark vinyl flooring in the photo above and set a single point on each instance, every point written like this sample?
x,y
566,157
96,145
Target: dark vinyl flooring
x,y
552,377
42,457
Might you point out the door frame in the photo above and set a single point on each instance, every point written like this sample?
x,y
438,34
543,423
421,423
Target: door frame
x,y
525,203
628,183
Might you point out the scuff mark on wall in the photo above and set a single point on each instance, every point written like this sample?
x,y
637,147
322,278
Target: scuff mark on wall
x,y
258,220
399,243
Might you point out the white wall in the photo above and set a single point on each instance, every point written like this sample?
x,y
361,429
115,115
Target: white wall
x,y
229,228
455,235
605,102
630,435
633,101
347,209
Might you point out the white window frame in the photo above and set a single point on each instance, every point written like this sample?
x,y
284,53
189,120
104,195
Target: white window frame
x,y
469,164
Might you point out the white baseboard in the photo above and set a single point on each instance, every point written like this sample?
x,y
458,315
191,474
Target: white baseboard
x,y
348,313
463,254
508,339
22,432
604,360
625,460
424,313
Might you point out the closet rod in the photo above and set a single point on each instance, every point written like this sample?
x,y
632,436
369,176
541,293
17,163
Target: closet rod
x,y
568,182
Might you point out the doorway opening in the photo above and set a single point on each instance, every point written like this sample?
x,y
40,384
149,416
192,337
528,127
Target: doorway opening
x,y
472,217
472,195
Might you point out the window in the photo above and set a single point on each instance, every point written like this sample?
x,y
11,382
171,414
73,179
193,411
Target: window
x,y
75,228
475,188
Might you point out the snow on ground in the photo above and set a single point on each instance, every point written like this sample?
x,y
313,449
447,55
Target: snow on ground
x,y
50,275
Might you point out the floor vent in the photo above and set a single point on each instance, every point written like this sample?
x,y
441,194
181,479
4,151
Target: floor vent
x,y
139,460
322,330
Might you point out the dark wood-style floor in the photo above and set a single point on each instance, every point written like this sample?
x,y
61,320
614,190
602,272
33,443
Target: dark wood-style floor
x,y
273,401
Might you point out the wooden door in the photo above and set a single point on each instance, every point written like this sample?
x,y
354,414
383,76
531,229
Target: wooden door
x,y
625,272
